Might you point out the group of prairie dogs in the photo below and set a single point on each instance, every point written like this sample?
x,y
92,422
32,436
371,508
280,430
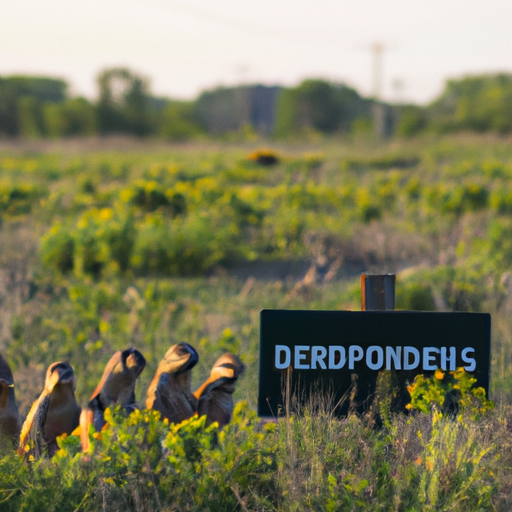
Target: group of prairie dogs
x,y
56,411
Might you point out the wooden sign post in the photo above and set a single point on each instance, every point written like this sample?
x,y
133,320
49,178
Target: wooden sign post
x,y
378,292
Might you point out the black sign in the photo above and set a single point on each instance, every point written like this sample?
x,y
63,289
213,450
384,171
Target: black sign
x,y
340,352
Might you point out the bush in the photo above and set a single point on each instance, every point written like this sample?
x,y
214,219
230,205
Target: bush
x,y
101,241
415,297
189,246
448,393
18,199
58,249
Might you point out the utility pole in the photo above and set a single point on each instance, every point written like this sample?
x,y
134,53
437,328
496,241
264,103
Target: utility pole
x,y
398,90
379,110
377,49
243,97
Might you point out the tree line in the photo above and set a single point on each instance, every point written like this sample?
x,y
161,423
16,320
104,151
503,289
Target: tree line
x,y
41,107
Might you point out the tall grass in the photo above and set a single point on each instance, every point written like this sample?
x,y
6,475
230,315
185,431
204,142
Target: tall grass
x,y
310,461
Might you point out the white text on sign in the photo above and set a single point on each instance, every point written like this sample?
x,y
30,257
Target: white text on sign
x,y
375,357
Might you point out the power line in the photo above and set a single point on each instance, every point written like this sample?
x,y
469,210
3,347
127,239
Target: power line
x,y
284,34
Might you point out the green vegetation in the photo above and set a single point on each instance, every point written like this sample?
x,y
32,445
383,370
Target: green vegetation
x,y
448,393
38,107
424,462
319,106
102,250
477,103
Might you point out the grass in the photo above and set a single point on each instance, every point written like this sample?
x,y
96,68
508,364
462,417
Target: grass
x,y
307,462
403,207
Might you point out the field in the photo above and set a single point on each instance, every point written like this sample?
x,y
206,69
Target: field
x,y
114,243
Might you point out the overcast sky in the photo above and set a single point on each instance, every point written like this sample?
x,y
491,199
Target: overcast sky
x,y
186,46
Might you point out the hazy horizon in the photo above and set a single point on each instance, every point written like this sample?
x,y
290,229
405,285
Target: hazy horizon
x,y
184,48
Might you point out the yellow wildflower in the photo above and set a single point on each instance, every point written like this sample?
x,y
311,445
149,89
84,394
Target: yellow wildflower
x,y
106,213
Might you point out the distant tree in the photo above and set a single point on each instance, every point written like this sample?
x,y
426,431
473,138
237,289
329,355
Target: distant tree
x,y
30,118
319,105
411,120
73,117
286,113
124,104
43,89
477,103
176,121
16,109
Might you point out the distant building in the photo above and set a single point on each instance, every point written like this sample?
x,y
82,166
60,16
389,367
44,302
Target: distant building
x,y
230,109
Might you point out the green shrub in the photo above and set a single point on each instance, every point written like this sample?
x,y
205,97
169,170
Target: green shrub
x,y
501,201
58,249
187,246
18,199
101,241
148,195
448,393
415,297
